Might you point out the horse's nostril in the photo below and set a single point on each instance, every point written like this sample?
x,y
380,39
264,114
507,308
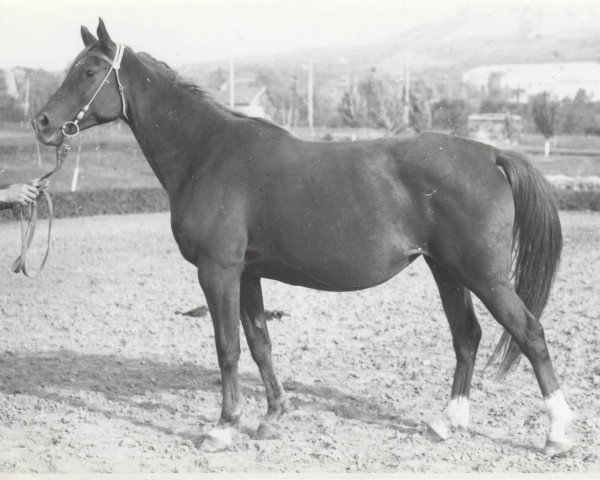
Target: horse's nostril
x,y
42,120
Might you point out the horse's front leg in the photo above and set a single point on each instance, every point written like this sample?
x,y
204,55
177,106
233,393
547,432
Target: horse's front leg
x,y
257,334
221,286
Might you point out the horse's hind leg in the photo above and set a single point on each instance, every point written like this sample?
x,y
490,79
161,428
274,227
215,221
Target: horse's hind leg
x,y
508,309
253,320
466,333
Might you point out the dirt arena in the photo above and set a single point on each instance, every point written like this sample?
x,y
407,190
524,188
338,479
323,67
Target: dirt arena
x,y
99,372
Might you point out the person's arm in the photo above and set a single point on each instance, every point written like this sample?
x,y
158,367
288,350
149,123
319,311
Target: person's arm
x,y
3,204
4,198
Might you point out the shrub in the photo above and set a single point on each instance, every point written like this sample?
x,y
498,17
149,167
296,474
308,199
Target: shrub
x,y
102,202
576,193
565,182
578,200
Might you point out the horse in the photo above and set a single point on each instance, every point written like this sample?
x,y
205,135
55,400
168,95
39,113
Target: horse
x,y
249,200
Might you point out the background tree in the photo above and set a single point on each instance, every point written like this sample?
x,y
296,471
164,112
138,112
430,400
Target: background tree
x,y
216,78
382,101
497,98
452,115
374,102
493,105
420,108
377,102
282,91
42,85
578,116
325,106
494,84
10,110
544,113
351,110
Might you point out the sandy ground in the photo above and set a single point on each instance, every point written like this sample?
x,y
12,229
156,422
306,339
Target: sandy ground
x,y
99,373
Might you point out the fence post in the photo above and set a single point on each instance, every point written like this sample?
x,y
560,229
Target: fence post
x,y
39,155
76,171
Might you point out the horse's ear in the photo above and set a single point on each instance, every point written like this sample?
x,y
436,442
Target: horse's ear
x,y
87,37
104,37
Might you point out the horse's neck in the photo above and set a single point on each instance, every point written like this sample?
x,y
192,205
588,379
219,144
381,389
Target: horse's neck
x,y
170,125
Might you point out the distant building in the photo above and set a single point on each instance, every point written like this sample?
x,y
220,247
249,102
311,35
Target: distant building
x,y
249,100
499,129
523,80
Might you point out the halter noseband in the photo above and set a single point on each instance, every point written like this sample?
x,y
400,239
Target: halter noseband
x,y
115,64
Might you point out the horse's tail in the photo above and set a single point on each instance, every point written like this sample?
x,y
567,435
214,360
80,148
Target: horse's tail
x,y
537,244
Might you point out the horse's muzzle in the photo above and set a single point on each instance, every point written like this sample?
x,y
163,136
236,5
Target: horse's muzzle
x,y
45,132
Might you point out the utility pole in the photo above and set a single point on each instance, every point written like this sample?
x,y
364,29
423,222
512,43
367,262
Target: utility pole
x,y
26,103
232,83
293,98
406,115
310,96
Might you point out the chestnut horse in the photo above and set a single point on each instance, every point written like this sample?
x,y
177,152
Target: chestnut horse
x,y
249,200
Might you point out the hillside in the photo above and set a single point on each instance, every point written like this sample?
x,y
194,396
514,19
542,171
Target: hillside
x,y
473,36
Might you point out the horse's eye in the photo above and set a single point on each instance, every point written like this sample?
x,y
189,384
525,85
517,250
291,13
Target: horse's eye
x,y
90,73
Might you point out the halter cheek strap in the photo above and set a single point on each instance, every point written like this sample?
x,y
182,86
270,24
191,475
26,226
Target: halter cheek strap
x,y
115,64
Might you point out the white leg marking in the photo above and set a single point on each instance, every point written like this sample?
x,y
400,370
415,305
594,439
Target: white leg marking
x,y
560,416
217,439
458,412
221,434
455,416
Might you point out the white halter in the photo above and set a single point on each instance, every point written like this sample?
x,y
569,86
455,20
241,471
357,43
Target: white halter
x,y
115,64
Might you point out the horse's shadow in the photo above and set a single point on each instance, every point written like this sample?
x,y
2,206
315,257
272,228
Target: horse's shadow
x,y
52,375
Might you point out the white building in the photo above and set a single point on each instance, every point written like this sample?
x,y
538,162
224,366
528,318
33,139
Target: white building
x,y
523,80
250,100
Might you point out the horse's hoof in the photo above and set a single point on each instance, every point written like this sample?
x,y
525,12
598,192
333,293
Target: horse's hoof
x,y
267,431
217,440
439,430
554,448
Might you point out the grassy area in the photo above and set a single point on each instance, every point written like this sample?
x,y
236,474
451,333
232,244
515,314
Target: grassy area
x,y
571,165
111,159
576,142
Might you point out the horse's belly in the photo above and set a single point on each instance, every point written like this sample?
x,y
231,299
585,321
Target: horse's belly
x,y
334,271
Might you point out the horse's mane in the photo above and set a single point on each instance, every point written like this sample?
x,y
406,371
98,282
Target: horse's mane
x,y
198,91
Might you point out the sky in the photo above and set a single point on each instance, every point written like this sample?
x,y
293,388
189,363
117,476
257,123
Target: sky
x,y
45,34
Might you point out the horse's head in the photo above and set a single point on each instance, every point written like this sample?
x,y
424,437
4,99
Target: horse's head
x,y
90,93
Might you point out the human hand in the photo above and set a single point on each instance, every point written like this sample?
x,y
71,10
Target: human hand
x,y
22,194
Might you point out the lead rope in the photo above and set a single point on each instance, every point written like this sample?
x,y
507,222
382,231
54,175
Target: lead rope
x,y
69,130
28,217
